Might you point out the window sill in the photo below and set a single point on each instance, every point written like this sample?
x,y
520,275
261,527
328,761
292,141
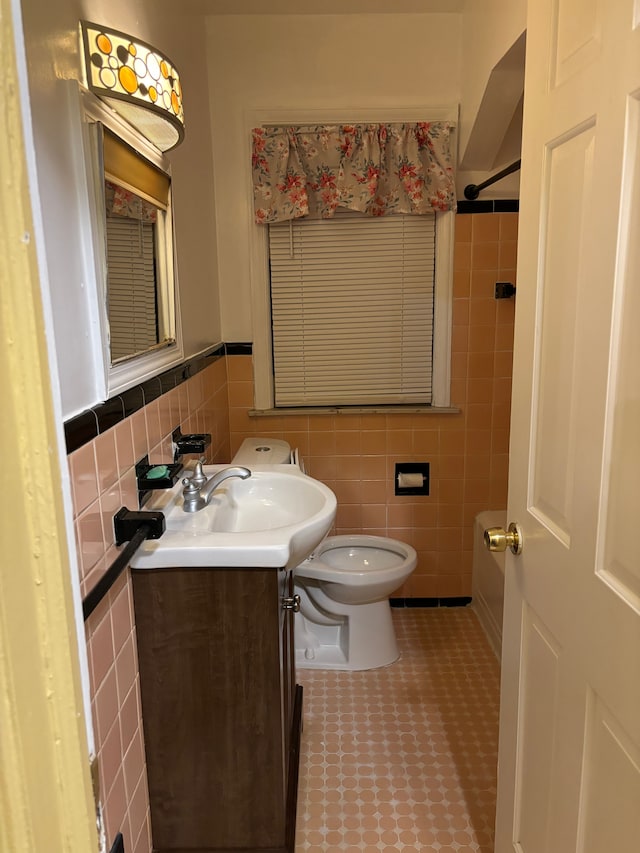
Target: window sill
x,y
356,410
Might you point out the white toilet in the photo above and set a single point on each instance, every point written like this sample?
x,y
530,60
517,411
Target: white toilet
x,y
344,587
344,620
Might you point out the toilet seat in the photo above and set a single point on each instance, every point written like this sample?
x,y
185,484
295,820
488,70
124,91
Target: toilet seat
x,y
363,559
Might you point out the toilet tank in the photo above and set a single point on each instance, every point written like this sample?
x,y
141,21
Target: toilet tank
x,y
263,451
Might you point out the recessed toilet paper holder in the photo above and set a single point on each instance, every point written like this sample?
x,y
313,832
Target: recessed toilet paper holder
x,y
411,478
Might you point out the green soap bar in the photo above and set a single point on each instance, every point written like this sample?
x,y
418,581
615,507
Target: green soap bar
x,y
157,472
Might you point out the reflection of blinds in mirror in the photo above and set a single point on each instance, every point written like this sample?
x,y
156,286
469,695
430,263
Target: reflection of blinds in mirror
x,y
352,310
131,286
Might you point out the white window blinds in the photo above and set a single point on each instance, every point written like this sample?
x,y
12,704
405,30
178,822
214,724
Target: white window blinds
x,y
352,310
131,286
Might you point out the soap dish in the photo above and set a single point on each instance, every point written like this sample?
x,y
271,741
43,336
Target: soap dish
x,y
195,442
156,476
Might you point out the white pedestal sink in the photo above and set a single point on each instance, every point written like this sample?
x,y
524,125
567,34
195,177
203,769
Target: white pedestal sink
x,y
273,519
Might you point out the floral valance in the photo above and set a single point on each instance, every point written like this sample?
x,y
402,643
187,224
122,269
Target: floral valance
x,y
121,202
377,169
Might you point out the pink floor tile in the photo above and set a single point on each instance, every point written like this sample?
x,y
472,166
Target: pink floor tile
x,y
404,757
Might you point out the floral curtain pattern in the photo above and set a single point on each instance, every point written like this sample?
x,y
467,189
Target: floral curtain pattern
x,y
376,169
121,202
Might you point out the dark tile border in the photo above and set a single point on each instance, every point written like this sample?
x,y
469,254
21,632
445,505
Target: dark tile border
x,y
109,414
461,601
507,205
496,205
86,426
81,430
132,400
238,349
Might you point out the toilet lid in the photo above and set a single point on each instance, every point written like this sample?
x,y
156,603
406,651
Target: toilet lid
x,y
354,558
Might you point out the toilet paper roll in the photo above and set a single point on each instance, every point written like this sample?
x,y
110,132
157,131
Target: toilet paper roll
x,y
410,481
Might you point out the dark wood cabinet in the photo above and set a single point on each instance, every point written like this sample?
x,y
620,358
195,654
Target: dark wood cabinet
x,y
220,708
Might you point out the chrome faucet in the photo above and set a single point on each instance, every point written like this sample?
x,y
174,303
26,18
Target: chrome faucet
x,y
198,489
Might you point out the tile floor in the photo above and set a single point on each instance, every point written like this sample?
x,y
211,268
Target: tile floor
x,y
404,758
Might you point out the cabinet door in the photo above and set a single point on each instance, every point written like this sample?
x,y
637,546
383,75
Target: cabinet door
x,y
208,648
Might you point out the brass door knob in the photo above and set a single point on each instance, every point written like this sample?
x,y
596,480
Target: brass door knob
x,y
498,539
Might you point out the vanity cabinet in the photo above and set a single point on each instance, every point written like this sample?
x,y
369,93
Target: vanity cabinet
x,y
220,708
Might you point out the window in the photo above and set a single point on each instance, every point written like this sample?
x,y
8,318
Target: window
x,y
266,317
360,311
352,310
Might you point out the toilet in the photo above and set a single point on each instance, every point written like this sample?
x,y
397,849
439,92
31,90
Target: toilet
x,y
344,621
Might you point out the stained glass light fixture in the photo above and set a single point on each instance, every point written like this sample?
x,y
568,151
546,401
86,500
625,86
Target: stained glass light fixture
x,y
141,84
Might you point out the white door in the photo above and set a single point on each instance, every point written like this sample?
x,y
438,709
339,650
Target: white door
x,y
569,759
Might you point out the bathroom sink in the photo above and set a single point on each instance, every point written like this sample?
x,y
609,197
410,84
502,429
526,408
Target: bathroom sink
x,y
275,518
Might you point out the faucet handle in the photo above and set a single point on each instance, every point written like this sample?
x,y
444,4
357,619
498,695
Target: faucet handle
x,y
192,500
198,478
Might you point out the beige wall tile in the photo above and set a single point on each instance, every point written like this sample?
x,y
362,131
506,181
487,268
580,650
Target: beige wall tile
x,y
106,706
485,256
463,228
508,226
485,228
84,478
239,368
373,441
124,446
103,479
462,256
134,763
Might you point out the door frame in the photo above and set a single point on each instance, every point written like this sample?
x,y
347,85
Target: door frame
x,y
46,798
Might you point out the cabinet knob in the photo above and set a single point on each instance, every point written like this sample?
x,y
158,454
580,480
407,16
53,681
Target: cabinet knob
x,y
292,603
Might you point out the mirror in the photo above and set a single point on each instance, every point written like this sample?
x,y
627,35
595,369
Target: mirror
x,y
138,248
127,240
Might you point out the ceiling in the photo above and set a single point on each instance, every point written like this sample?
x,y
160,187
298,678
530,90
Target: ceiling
x,y
322,7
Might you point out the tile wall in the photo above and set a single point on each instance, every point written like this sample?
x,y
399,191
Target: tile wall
x,y
103,480
468,452
354,454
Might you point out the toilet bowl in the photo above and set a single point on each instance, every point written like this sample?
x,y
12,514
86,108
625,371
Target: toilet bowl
x,y
344,621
